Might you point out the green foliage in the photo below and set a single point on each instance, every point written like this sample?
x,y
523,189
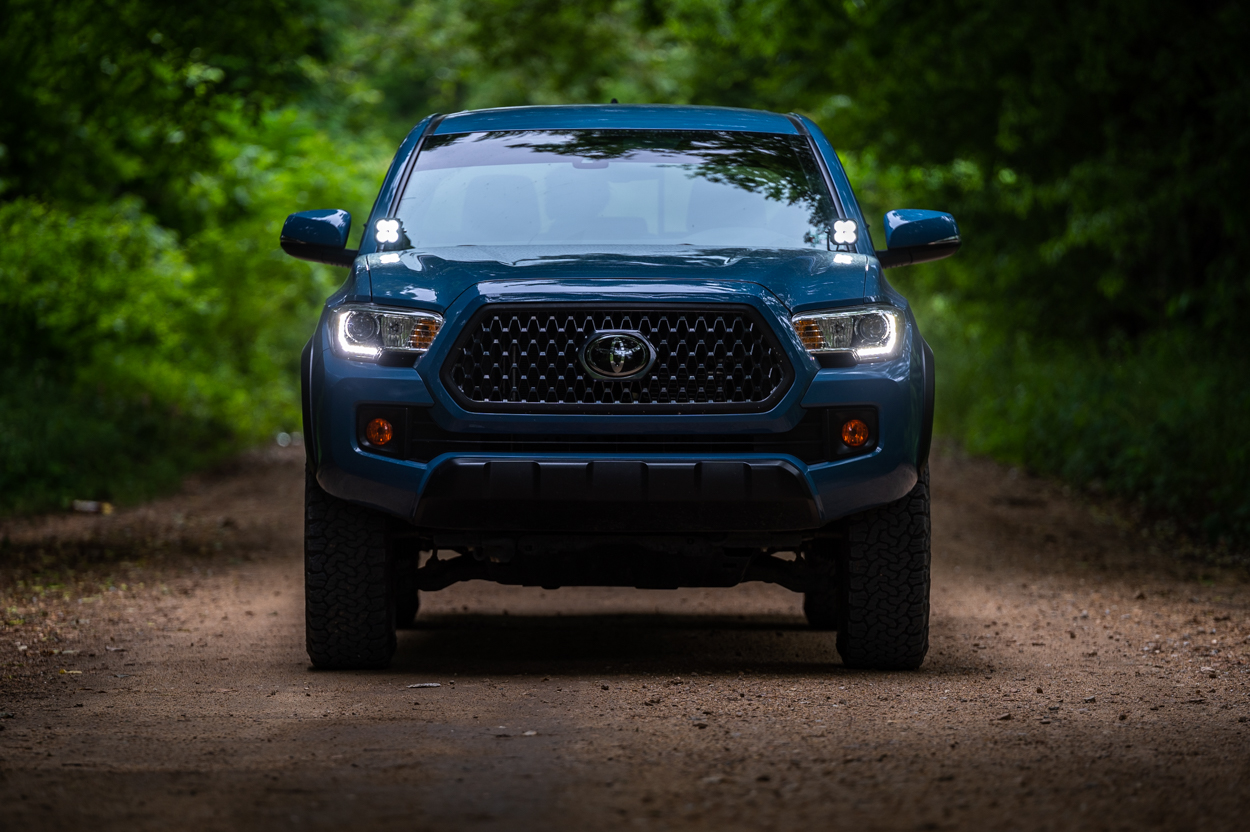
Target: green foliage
x,y
1162,420
110,97
96,390
146,164
395,61
137,354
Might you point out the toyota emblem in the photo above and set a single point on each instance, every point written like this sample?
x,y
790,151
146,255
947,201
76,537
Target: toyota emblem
x,y
617,355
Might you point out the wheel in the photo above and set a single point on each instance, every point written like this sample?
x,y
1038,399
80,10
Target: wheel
x,y
407,601
873,587
883,620
349,592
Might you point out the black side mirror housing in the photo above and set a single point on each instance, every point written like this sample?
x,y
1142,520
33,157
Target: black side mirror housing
x,y
914,236
319,236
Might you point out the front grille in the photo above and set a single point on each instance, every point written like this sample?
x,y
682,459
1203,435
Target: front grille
x,y
816,438
517,358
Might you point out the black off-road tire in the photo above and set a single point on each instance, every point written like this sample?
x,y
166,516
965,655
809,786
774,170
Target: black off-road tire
x,y
872,586
349,592
883,581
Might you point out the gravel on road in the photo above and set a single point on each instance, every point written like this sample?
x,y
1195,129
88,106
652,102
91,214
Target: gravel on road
x,y
1080,676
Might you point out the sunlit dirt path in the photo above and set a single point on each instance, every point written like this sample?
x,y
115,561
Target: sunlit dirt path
x,y
1078,679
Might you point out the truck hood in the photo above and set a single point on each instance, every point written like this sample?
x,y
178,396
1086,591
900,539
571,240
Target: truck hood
x,y
800,279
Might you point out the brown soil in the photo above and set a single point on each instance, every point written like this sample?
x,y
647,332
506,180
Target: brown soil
x,y
152,675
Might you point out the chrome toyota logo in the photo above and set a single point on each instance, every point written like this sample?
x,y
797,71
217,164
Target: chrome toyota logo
x,y
617,355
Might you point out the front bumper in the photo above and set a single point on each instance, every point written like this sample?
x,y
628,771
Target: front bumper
x,y
615,492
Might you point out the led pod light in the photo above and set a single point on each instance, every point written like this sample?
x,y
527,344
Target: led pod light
x,y
390,235
845,232
365,332
870,333
387,231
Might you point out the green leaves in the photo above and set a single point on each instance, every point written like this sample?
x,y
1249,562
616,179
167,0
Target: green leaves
x,y
134,353
1160,421
105,97
151,322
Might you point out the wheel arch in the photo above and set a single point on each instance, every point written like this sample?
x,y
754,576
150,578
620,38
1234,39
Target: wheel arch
x,y
930,394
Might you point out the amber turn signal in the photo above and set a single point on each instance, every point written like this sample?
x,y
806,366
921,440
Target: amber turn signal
x,y
854,433
380,431
809,334
423,333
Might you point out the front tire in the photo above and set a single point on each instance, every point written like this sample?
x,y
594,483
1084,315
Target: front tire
x,y
349,576
873,586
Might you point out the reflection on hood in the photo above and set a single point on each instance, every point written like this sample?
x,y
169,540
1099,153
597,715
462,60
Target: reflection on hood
x,y
433,278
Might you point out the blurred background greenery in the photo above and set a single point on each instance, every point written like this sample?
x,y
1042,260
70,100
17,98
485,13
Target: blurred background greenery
x,y
1095,154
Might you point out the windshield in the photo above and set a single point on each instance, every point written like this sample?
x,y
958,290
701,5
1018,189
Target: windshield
x,y
621,187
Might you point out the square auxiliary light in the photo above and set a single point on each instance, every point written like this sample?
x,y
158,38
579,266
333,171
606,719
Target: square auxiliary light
x,y
845,232
386,231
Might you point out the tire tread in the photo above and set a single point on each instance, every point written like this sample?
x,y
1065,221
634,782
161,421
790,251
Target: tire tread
x,y
884,580
349,605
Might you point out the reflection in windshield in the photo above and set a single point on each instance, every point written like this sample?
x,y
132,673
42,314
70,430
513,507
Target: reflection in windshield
x,y
628,187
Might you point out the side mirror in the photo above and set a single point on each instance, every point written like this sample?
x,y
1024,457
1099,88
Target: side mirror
x,y
916,236
319,236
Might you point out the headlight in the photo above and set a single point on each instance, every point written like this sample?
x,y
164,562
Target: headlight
x,y
870,333
365,332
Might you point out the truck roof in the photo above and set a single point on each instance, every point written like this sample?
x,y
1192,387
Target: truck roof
x,y
617,117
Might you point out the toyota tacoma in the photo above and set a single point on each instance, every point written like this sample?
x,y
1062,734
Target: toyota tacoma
x,y
643,346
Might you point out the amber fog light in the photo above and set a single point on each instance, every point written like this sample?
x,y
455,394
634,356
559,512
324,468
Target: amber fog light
x,y
380,431
854,433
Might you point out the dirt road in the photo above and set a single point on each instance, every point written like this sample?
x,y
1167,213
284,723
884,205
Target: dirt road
x,y
152,676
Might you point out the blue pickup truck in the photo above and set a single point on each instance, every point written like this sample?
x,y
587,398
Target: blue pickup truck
x,y
641,346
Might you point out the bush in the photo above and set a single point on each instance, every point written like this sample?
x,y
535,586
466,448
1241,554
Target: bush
x,y
1162,421
132,356
104,391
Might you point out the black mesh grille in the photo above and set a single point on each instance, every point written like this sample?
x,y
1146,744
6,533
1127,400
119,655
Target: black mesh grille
x,y
525,358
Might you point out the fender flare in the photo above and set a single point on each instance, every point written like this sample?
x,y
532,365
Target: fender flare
x,y
305,390
930,391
